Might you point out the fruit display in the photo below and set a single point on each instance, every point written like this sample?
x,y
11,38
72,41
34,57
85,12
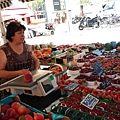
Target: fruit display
x,y
107,108
65,80
44,52
57,69
73,70
18,111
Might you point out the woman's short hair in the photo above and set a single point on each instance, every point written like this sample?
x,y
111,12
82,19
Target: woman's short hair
x,y
12,28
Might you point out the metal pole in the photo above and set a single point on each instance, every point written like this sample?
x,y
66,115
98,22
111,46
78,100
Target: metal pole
x,y
45,11
68,13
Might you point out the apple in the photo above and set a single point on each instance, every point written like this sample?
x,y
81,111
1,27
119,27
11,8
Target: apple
x,y
38,116
15,105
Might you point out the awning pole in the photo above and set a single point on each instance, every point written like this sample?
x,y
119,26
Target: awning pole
x,y
2,27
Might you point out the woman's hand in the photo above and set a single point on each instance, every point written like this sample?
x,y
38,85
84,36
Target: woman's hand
x,y
21,72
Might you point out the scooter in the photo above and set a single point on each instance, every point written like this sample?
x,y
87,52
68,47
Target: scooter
x,y
88,22
50,26
76,19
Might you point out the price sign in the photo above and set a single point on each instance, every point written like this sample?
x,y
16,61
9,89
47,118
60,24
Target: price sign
x,y
98,68
71,86
97,52
105,84
89,101
69,58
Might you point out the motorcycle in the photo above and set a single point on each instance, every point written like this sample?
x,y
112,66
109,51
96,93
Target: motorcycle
x,y
76,19
89,22
50,26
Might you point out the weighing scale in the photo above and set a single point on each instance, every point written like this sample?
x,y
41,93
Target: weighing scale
x,y
43,83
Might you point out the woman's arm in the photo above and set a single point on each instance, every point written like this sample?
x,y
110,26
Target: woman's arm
x,y
36,62
4,73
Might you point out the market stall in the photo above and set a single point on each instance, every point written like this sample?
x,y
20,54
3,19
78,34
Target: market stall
x,y
86,75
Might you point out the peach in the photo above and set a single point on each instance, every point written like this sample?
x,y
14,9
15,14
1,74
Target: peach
x,y
22,110
38,116
27,76
12,119
28,110
4,108
22,117
10,113
0,114
15,105
28,117
16,115
5,117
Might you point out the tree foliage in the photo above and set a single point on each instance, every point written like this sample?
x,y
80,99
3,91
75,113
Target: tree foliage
x,y
35,5
84,1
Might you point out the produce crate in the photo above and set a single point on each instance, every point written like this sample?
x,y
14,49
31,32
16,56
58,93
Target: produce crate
x,y
48,115
74,114
60,60
13,98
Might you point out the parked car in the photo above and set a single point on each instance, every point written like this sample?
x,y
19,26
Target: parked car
x,y
35,30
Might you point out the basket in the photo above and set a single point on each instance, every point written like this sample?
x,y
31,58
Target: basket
x,y
61,73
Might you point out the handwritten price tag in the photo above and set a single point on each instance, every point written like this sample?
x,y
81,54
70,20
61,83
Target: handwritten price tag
x,y
98,68
89,101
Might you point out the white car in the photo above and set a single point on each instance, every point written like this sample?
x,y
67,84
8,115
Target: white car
x,y
34,30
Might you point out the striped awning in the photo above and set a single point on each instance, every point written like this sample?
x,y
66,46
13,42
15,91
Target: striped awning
x,y
5,3
25,0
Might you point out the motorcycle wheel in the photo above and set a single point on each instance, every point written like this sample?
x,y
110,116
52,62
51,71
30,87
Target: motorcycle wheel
x,y
104,24
81,27
95,25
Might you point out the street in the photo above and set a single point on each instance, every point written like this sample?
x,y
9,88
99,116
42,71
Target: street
x,y
67,33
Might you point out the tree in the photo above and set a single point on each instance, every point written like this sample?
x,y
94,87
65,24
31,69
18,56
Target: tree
x,y
84,1
35,5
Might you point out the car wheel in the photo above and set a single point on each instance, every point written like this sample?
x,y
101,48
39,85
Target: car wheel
x,y
52,32
41,34
34,33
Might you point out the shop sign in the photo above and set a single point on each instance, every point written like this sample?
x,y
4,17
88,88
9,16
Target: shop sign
x,y
98,68
105,84
56,4
89,101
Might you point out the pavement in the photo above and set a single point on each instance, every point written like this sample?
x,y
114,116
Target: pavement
x,y
67,33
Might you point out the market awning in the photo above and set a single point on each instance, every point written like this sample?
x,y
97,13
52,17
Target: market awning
x,y
5,3
25,0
